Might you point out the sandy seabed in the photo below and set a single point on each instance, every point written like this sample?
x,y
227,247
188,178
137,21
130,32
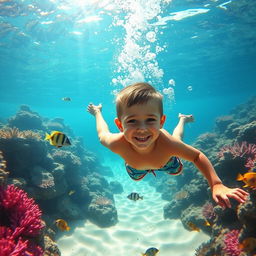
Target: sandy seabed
x,y
140,225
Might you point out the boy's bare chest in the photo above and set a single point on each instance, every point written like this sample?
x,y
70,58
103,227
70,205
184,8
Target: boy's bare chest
x,y
153,160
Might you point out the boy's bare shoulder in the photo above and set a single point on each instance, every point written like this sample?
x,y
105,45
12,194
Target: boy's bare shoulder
x,y
115,141
163,131
166,135
168,141
177,147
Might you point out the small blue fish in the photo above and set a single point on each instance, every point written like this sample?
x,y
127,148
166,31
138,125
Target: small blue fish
x,y
66,99
150,252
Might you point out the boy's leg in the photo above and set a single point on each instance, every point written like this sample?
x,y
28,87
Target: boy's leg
x,y
178,132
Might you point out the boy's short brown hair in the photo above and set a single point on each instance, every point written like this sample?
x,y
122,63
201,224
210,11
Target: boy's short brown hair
x,y
137,93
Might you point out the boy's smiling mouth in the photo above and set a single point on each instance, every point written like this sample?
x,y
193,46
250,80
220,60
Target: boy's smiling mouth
x,y
142,139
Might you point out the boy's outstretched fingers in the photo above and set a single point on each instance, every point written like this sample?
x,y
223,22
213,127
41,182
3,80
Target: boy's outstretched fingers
x,y
220,202
225,201
221,195
239,194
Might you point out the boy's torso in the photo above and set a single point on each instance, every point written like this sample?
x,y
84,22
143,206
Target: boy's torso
x,y
156,159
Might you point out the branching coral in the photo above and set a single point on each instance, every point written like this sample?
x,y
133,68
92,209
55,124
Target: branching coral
x,y
66,157
9,133
20,221
231,243
208,211
243,149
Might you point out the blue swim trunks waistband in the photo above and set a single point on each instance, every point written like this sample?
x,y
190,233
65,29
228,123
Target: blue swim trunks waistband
x,y
173,167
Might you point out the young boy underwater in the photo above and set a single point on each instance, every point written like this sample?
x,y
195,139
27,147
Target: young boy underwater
x,y
147,147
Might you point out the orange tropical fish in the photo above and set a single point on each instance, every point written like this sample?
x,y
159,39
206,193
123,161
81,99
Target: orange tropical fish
x,y
248,178
62,225
248,244
193,227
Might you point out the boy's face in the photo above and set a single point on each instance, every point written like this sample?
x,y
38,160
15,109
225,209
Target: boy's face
x,y
140,124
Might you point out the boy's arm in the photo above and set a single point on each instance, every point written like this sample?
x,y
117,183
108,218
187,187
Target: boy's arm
x,y
206,168
105,136
220,192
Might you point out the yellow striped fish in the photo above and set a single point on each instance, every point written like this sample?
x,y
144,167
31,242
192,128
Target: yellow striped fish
x,y
58,139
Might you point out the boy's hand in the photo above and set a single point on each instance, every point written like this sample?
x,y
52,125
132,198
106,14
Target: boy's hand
x,y
93,109
221,195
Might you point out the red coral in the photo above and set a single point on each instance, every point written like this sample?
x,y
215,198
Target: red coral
x,y
10,247
21,218
231,243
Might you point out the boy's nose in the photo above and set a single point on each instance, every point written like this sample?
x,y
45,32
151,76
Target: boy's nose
x,y
142,126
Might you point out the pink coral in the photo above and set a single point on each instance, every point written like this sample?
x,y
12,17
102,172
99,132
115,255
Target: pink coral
x,y
231,243
244,149
20,219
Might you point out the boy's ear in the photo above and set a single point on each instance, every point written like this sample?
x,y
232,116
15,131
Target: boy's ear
x,y
162,120
119,124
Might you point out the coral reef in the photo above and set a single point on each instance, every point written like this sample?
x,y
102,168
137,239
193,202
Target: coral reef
x,y
231,243
104,209
26,119
9,133
3,171
240,150
208,211
231,147
66,183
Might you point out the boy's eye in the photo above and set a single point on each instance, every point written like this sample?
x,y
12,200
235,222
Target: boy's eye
x,y
131,121
151,119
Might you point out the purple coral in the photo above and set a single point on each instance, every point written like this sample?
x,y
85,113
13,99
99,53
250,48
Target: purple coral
x,y
244,149
20,220
208,211
232,244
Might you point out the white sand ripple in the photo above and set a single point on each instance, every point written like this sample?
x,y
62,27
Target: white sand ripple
x,y
141,225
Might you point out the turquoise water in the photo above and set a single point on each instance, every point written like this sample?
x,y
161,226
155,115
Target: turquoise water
x,y
201,53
